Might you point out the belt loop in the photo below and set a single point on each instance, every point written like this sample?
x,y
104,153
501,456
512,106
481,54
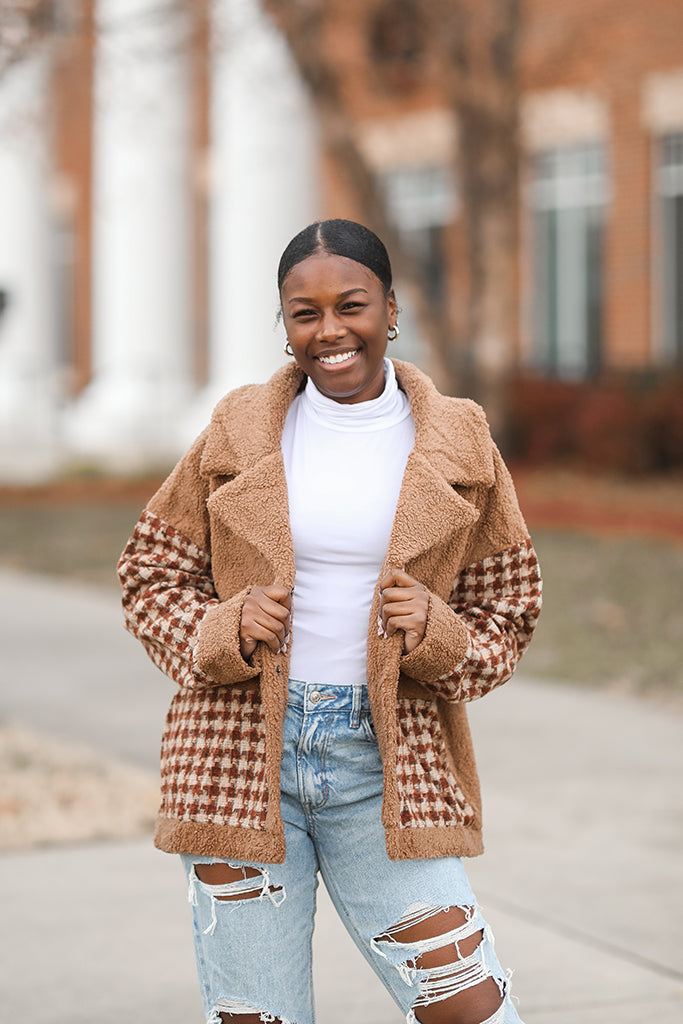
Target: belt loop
x,y
356,706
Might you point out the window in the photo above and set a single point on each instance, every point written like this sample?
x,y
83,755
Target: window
x,y
568,199
421,201
669,189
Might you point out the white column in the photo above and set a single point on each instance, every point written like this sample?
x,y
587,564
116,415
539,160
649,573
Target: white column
x,y
264,188
129,414
29,442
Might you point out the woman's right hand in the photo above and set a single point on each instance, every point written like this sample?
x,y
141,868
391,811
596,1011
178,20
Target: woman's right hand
x,y
266,614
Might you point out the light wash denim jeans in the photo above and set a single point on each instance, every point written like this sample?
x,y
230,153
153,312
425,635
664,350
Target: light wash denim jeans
x,y
254,954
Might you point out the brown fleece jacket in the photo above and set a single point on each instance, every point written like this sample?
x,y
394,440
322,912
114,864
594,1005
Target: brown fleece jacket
x,y
220,524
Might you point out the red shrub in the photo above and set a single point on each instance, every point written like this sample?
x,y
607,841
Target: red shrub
x,y
625,423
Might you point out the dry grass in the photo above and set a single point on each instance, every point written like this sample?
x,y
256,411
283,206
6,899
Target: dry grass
x,y
77,540
52,792
612,612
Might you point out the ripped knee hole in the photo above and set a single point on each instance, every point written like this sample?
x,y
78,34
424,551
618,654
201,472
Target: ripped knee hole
x,y
225,874
226,1010
440,950
444,922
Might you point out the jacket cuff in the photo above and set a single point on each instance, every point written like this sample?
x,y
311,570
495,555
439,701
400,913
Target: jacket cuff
x,y
442,649
217,653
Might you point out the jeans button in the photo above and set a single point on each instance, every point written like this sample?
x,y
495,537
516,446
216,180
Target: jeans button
x,y
315,697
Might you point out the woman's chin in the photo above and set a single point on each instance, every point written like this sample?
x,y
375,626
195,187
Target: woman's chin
x,y
345,384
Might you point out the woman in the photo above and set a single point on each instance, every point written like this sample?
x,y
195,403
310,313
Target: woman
x,y
333,570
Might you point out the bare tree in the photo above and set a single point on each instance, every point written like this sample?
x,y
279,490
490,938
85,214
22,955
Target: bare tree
x,y
478,48
473,46
304,27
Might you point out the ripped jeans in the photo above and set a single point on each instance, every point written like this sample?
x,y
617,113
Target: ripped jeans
x,y
253,934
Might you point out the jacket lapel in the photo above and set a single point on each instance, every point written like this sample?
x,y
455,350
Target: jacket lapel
x,y
244,446
428,511
452,446
254,506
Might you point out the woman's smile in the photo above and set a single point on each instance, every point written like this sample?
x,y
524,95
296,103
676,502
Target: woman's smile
x,y
335,360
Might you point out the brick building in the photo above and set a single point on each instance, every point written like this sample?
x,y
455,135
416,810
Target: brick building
x,y
602,95
600,89
155,157
141,314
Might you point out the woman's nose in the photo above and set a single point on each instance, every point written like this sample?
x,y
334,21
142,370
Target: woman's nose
x,y
331,328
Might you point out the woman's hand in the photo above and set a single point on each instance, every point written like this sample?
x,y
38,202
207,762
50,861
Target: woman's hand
x,y
266,614
403,604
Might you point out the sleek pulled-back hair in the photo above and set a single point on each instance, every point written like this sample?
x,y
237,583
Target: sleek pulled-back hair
x,y
338,238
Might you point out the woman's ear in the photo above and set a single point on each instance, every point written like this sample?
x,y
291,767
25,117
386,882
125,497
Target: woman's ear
x,y
392,307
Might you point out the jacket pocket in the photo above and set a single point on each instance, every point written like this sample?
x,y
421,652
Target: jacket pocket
x,y
429,794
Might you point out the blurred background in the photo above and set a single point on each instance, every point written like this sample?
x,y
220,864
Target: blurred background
x,y
523,161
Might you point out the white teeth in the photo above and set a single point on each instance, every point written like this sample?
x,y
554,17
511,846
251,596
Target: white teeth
x,y
341,358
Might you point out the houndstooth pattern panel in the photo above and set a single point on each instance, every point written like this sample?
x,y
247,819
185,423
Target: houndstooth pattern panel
x,y
499,601
428,791
213,757
167,591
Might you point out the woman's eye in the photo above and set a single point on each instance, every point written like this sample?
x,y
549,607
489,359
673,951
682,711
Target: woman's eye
x,y
352,305
302,313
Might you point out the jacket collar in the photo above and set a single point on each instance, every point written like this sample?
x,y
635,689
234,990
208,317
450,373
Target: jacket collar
x,y
450,434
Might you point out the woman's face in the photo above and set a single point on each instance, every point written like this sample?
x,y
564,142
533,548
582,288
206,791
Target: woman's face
x,y
337,315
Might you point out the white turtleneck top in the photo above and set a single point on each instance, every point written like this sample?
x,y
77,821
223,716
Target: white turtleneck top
x,y
344,466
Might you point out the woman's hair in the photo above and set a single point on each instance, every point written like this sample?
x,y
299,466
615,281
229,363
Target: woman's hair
x,y
338,238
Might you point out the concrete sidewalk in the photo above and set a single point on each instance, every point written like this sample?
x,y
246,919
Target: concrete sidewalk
x,y
582,880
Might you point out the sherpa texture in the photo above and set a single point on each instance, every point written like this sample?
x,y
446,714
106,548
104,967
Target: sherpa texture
x,y
220,525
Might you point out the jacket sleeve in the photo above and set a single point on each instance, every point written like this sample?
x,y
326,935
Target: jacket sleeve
x,y
169,599
474,640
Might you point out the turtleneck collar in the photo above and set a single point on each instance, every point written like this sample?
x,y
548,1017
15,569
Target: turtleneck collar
x,y
389,409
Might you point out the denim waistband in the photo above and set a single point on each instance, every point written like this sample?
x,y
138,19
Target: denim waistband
x,y
328,698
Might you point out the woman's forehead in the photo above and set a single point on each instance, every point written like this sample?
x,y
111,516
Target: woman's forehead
x,y
328,272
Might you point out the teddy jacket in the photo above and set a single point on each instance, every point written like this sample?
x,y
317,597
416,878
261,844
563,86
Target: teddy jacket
x,y
220,524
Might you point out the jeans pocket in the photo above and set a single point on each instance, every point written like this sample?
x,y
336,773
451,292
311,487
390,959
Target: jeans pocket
x,y
367,726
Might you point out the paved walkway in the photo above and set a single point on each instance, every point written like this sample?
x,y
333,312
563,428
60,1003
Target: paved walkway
x,y
582,879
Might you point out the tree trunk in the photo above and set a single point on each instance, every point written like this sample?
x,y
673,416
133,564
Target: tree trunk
x,y
303,27
479,47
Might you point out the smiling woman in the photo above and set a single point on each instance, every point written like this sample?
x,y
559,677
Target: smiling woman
x,y
333,570
338,314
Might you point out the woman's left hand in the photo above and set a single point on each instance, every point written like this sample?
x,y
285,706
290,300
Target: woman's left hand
x,y
403,604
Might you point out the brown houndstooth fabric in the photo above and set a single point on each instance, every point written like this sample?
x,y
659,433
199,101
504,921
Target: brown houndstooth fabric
x,y
167,591
213,758
428,791
499,601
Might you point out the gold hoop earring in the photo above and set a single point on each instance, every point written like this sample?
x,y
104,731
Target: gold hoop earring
x,y
288,348
393,332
